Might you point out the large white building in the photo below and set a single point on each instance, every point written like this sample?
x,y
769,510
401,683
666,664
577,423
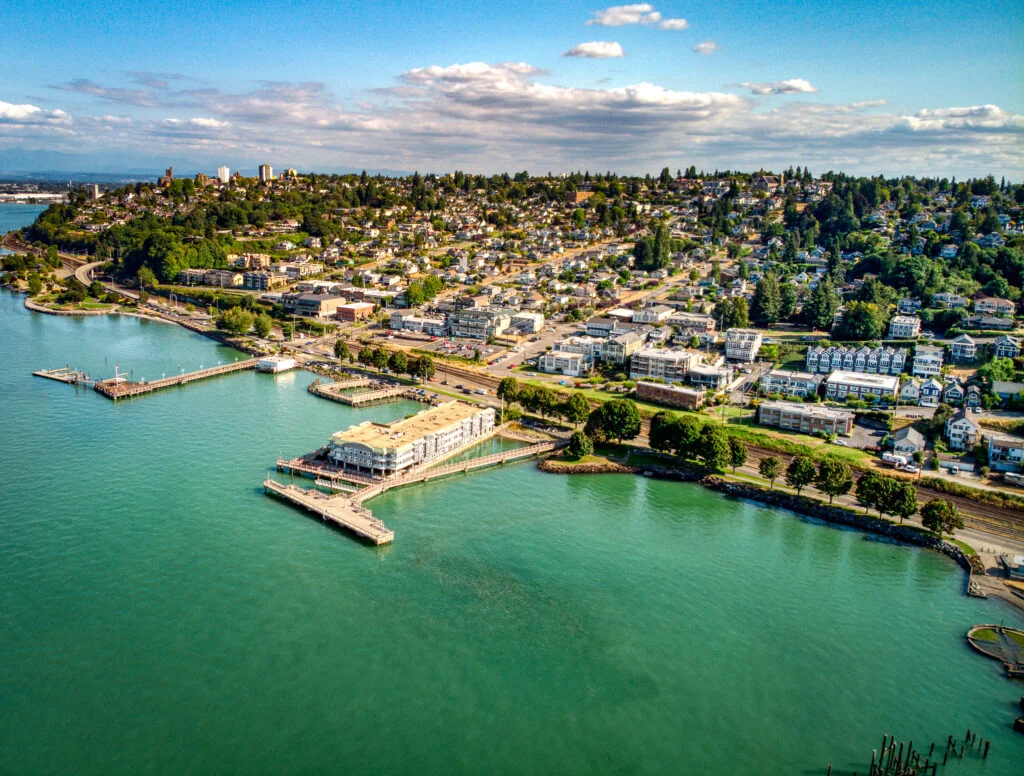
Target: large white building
x,y
564,363
224,174
385,449
904,327
841,385
669,364
266,173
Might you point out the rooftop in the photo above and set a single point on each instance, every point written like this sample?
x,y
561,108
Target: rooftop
x,y
404,432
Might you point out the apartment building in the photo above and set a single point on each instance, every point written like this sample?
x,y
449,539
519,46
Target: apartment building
x,y
790,383
672,365
670,395
806,418
840,385
927,361
863,359
480,322
904,327
742,344
563,363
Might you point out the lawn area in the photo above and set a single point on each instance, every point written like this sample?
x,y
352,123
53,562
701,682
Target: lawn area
x,y
965,547
794,442
985,634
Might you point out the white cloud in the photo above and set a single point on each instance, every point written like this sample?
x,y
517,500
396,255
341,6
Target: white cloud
x,y
707,47
504,116
31,115
869,104
596,49
792,86
674,24
621,15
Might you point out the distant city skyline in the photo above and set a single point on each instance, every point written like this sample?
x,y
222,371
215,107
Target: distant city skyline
x,y
930,89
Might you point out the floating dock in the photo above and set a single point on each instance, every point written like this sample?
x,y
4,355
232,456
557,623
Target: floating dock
x,y
65,375
338,510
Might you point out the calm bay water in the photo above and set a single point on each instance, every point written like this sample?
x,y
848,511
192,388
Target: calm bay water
x,y
16,215
159,614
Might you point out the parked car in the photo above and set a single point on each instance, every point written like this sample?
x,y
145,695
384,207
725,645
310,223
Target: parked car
x,y
840,442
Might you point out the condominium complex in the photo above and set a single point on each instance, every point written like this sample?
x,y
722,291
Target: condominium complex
x,y
864,359
480,322
790,383
742,344
841,385
564,363
806,418
384,449
669,364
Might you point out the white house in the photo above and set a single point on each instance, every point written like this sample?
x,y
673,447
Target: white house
x,y
904,327
961,432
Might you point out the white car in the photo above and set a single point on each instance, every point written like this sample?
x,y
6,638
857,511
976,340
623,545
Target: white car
x,y
840,442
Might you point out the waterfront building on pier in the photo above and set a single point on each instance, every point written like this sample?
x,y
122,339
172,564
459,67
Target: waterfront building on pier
x,y
385,449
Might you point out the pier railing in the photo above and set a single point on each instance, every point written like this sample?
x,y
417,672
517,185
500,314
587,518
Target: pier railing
x,y
123,389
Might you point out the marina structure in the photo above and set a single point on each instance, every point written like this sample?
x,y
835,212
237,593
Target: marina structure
x,y
386,449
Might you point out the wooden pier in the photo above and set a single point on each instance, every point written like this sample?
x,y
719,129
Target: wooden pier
x,y
345,508
338,510
119,388
65,375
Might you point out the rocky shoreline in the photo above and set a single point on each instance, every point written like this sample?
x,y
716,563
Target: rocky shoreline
x,y
552,466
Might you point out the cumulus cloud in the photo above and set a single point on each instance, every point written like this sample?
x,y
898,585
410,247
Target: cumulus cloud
x,y
621,15
596,49
792,86
707,47
674,24
504,116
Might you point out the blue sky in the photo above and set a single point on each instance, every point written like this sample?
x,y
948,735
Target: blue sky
x,y
892,87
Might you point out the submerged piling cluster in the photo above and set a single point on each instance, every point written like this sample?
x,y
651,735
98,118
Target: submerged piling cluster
x,y
898,758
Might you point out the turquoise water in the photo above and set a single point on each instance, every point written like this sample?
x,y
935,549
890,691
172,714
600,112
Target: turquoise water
x,y
159,614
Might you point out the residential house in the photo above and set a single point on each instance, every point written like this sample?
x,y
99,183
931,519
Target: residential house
x,y
1005,452
907,441
910,391
931,393
993,305
963,348
618,349
927,361
953,393
908,305
654,314
1005,346
961,432
972,396
864,359
950,300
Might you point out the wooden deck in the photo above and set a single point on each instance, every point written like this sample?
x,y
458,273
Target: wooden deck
x,y
337,510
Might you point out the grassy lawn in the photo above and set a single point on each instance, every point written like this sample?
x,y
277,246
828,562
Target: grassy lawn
x,y
985,634
95,306
968,549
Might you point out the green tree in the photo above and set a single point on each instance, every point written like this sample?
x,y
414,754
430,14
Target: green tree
x,y
869,490
821,306
737,454
341,351
663,435
425,368
508,389
770,468
766,303
800,473
146,277
834,478
941,516
787,300
616,419
366,356
398,362
901,499
415,295
580,445
262,325
576,408
380,359
861,321
713,445
237,321
35,284
686,430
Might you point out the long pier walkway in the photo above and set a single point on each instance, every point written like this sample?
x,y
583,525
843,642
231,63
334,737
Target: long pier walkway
x,y
342,512
122,389
345,508
426,473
